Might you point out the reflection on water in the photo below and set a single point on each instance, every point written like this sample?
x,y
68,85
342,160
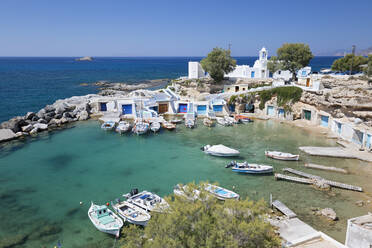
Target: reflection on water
x,y
43,180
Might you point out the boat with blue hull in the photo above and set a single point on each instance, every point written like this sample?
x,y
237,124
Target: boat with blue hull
x,y
221,193
248,168
108,125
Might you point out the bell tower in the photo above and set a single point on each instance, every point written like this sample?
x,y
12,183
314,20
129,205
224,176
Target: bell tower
x,y
263,54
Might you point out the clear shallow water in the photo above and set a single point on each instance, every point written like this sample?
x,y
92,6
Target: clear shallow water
x,y
28,84
44,179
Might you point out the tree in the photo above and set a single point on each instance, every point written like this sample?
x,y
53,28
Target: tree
x,y
205,222
218,63
368,69
294,56
274,64
344,64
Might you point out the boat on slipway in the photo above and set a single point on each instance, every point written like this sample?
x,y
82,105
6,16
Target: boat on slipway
x,y
146,200
108,125
155,126
282,155
122,127
131,213
221,193
248,168
105,220
220,151
169,126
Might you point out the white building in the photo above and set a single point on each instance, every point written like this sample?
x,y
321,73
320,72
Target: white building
x,y
359,232
195,70
259,69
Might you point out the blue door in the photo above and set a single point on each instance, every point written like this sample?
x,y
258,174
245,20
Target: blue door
x,y
339,127
270,110
202,109
324,121
281,112
182,108
369,140
103,106
217,108
155,108
127,109
252,74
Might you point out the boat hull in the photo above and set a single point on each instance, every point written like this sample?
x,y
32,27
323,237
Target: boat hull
x,y
287,158
249,171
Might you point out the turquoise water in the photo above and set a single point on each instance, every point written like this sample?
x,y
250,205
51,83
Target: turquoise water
x,y
44,179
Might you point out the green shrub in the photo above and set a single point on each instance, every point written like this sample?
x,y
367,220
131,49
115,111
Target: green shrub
x,y
285,96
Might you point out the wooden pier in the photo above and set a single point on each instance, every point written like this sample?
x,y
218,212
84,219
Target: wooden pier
x,y
312,179
326,168
284,209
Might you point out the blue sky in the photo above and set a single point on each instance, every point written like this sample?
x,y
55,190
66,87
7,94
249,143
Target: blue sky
x,y
177,28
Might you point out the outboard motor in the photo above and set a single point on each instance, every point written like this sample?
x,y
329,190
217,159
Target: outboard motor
x,y
231,164
133,192
202,148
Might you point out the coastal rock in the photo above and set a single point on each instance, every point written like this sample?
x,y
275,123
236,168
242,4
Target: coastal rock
x,y
14,124
35,118
359,203
329,213
19,134
29,115
33,131
6,134
42,121
49,108
82,116
60,109
27,128
41,113
58,116
40,126
67,115
321,184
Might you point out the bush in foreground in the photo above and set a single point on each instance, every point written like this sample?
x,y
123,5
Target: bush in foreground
x,y
205,222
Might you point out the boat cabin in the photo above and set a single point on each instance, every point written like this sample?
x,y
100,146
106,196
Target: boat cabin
x,y
103,215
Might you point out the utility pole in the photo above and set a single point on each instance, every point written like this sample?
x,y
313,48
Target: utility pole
x,y
230,47
352,58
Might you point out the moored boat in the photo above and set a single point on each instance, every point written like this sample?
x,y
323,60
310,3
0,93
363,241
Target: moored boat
x,y
108,125
122,127
168,125
221,121
186,192
140,128
147,201
248,168
176,121
105,220
131,213
221,193
155,126
190,123
282,155
230,120
220,151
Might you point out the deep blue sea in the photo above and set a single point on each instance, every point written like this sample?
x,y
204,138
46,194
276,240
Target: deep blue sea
x,y
28,84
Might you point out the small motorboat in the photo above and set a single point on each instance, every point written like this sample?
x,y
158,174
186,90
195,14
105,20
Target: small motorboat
x,y
243,119
230,120
249,168
186,192
104,219
155,126
169,126
220,151
208,122
222,121
131,213
190,123
221,193
122,127
108,125
140,128
282,155
147,201
176,121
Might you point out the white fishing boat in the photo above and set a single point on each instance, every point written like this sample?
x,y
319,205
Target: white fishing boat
x,y
122,127
155,126
281,155
168,125
230,120
186,192
105,220
108,125
221,121
176,121
140,127
221,193
190,123
208,122
131,213
248,168
220,151
147,201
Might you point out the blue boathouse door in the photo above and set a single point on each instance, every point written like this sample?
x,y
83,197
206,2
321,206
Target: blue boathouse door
x,y
217,108
182,108
127,109
369,140
252,74
103,106
324,121
202,109
270,110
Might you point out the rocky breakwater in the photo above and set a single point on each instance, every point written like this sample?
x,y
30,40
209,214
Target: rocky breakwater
x,y
76,108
